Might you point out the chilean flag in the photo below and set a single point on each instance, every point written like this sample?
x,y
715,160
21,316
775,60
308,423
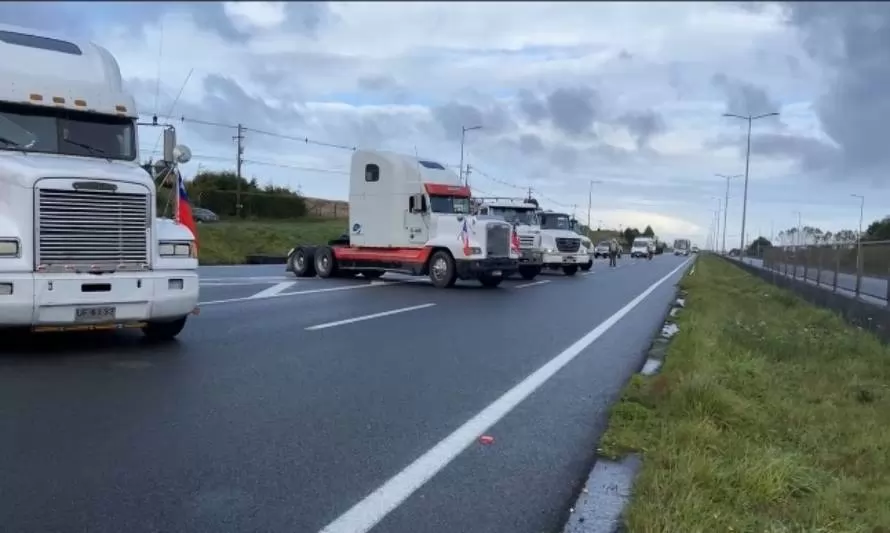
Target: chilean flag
x,y
514,241
184,209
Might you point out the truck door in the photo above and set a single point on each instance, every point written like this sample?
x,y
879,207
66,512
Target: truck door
x,y
415,221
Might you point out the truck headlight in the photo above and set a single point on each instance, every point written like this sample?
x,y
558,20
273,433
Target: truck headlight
x,y
475,250
176,249
9,247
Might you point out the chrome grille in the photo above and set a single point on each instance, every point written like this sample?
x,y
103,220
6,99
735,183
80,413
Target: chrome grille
x,y
104,230
526,241
497,242
568,245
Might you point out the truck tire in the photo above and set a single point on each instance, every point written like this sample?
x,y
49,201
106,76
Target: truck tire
x,y
163,331
325,263
587,266
570,270
442,271
303,262
489,281
529,272
372,274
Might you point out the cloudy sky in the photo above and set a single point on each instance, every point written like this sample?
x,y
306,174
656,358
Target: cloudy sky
x,y
630,95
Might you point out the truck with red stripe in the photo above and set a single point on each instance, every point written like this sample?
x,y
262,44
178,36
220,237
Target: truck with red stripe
x,y
411,216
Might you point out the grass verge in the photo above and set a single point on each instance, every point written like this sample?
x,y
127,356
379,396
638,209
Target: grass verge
x,y
768,415
228,242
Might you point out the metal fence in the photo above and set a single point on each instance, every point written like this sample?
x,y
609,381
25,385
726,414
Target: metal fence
x,y
839,267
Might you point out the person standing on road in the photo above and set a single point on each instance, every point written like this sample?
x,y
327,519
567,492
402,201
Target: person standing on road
x,y
613,253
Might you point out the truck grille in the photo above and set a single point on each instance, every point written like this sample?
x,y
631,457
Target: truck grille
x,y
497,243
526,241
95,228
568,245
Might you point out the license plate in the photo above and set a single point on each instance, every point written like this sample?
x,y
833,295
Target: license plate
x,y
496,273
94,314
570,259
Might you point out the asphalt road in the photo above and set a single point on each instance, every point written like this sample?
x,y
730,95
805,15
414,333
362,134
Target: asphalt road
x,y
291,405
870,287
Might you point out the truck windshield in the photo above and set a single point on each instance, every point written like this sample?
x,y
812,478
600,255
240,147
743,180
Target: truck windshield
x,y
449,204
62,131
515,215
552,221
640,243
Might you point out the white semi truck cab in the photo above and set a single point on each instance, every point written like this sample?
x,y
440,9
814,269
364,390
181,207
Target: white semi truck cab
x,y
411,216
81,246
562,246
523,215
587,246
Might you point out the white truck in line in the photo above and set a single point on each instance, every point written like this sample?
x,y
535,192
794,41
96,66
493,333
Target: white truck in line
x,y
562,246
81,246
411,216
587,246
523,215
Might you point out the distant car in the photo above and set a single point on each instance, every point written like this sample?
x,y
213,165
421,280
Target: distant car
x,y
695,249
601,250
204,215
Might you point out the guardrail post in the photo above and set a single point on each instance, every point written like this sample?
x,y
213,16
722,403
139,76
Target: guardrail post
x,y
837,266
806,262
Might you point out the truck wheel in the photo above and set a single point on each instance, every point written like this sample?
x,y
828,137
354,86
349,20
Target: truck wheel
x,y
587,266
442,271
570,270
163,331
529,272
490,281
372,274
302,263
324,262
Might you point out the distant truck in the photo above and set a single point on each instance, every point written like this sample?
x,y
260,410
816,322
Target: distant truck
x,y
81,244
411,216
682,247
643,247
524,218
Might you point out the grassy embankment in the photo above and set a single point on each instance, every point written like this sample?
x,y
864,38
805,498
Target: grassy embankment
x,y
225,242
769,415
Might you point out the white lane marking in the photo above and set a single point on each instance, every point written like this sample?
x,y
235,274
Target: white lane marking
x,y
278,288
373,508
296,293
587,273
235,279
532,284
368,317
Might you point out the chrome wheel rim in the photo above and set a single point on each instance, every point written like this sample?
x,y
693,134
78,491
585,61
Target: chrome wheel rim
x,y
440,267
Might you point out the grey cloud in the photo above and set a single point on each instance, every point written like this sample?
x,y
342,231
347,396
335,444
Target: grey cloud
x,y
744,98
853,41
811,154
642,126
530,144
573,110
452,116
534,109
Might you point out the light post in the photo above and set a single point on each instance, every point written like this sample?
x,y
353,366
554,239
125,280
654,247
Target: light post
x,y
726,207
590,202
750,119
463,137
859,235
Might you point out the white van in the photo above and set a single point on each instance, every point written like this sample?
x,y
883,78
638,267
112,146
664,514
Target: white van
x,y
642,247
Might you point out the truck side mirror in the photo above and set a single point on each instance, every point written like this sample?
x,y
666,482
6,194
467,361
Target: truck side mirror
x,y
169,145
417,203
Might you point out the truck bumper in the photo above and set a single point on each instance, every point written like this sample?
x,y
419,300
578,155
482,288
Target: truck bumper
x,y
472,269
53,299
561,260
531,258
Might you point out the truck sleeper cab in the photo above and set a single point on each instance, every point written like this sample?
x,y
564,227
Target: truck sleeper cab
x,y
81,246
411,216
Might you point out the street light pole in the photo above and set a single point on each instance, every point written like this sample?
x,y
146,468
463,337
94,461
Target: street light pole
x,y
859,235
590,202
726,207
750,119
463,137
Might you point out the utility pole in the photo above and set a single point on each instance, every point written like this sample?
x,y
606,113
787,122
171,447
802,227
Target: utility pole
x,y
750,119
467,177
859,235
463,137
726,206
238,162
590,202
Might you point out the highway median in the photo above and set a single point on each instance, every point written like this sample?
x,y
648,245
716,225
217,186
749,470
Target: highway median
x,y
769,414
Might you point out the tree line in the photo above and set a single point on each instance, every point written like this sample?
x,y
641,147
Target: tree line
x,y
218,191
879,230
